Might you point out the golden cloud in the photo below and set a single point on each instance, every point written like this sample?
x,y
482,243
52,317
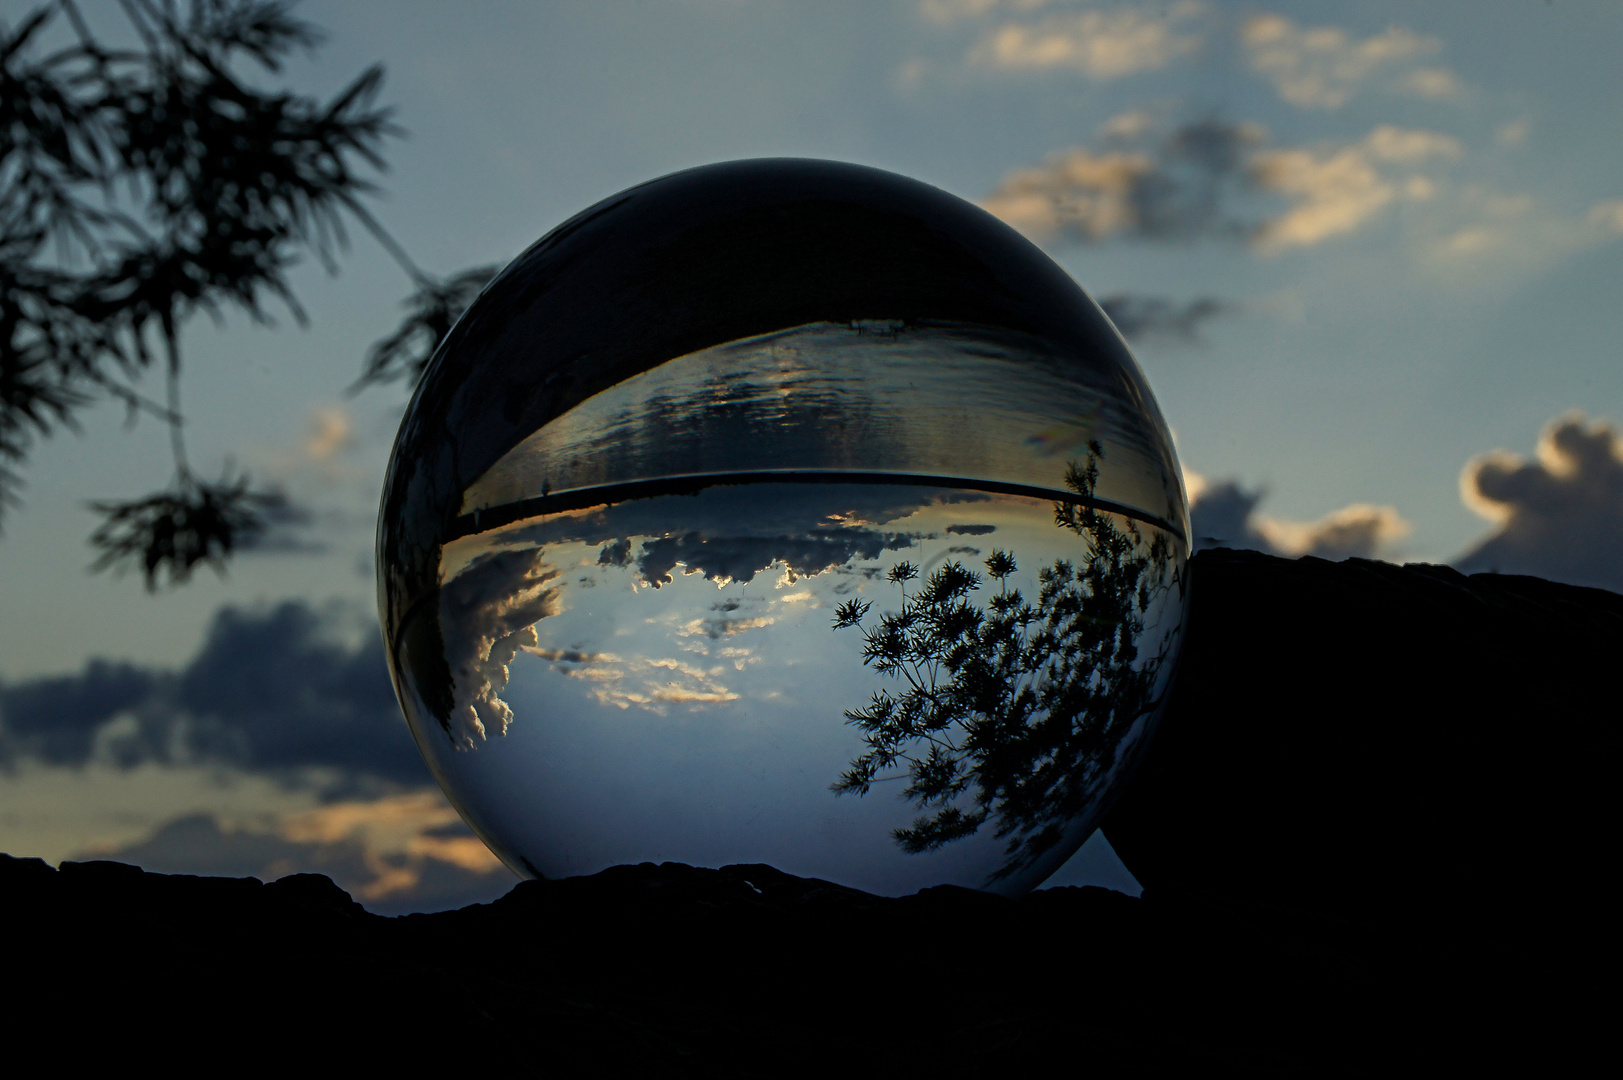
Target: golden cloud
x,y
1559,516
1074,191
1102,45
397,837
1322,67
1337,190
946,12
1353,531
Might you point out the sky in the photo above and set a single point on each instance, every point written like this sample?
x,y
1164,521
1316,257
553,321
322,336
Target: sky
x,y
1368,256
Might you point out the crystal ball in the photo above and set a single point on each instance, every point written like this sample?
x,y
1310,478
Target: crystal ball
x,y
787,512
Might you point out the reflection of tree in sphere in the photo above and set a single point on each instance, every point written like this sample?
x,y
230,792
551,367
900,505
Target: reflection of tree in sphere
x,y
704,421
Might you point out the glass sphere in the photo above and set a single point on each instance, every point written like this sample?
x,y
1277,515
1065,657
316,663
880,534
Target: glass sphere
x,y
784,512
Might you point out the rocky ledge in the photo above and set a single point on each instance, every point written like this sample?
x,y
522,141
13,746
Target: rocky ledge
x,y
672,970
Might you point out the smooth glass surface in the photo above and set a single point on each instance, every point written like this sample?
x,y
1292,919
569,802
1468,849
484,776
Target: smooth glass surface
x,y
892,601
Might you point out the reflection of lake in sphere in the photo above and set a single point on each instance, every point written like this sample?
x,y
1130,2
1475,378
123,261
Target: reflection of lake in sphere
x,y
784,512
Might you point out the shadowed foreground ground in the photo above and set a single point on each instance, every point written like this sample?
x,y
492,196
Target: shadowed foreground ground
x,y
1374,832
671,969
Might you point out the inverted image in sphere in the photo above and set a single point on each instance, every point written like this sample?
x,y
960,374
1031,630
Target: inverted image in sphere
x,y
784,512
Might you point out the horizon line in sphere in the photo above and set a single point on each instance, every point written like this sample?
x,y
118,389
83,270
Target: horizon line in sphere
x,y
495,517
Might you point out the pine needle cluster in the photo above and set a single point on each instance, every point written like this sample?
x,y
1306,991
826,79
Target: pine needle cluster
x,y
1013,710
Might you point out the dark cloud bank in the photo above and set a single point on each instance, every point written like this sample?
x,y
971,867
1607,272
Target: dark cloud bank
x,y
272,692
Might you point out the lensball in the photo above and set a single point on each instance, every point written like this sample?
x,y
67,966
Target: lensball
x,y
784,512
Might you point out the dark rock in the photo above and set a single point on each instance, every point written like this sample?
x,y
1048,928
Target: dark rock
x,y
101,870
15,871
677,970
1409,753
1356,738
314,891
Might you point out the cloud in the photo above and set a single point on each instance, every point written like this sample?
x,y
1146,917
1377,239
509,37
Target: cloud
x,y
1607,215
1223,514
332,431
1409,146
723,621
730,533
724,559
1220,516
946,12
1323,67
1100,44
488,612
1209,180
394,855
490,605
616,554
1334,193
278,748
1559,516
271,691
653,683
1513,134
55,720
323,456
736,533
1157,317
1520,232
1078,194
1434,83
1173,191
571,656
713,645
1127,125
416,827
1338,189
1356,531
312,485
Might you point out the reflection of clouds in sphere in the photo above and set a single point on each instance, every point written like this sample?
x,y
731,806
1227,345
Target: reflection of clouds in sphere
x,y
736,533
738,558
784,512
488,613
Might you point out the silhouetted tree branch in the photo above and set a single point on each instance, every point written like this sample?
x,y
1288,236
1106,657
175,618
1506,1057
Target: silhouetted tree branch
x,y
174,531
431,311
139,186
